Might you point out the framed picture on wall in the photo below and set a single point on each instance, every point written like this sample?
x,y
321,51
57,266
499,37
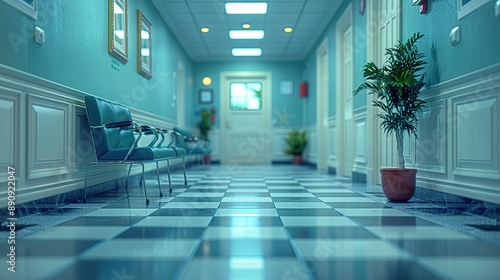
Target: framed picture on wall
x,y
465,7
118,29
29,7
206,96
144,46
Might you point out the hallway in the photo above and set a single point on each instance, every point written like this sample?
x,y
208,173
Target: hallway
x,y
256,222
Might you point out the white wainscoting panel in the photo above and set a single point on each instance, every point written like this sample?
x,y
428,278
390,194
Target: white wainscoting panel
x,y
9,125
360,138
332,145
458,146
431,153
312,145
215,143
48,134
476,136
279,144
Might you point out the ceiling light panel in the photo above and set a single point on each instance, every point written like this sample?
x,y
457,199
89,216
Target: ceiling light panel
x,y
246,8
246,51
246,34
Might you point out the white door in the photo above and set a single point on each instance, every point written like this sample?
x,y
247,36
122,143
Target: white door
x,y
322,107
384,23
246,126
344,94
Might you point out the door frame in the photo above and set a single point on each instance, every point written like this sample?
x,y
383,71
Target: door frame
x,y
224,110
345,22
376,150
322,109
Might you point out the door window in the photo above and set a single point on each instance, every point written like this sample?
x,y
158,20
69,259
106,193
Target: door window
x,y
246,96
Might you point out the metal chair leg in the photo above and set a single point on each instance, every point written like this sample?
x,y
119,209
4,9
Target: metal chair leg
x,y
158,178
169,179
144,183
184,170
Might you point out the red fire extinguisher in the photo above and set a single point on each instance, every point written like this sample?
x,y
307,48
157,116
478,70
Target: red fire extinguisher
x,y
303,89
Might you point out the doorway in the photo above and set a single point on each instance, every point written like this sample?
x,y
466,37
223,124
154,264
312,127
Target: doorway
x,y
246,127
345,123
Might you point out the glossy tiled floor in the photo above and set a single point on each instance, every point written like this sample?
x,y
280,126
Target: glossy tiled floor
x,y
271,222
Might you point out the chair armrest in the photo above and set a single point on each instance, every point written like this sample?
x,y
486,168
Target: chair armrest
x,y
115,124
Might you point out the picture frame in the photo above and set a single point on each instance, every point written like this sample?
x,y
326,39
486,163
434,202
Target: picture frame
x,y
144,45
465,7
206,96
118,29
28,7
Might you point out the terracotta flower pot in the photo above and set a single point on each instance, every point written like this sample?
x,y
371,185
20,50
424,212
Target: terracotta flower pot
x,y
398,184
297,159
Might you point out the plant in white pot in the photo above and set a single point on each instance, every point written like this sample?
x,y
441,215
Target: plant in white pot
x,y
397,85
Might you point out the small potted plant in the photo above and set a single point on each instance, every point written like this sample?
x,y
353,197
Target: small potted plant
x,y
207,119
296,143
397,85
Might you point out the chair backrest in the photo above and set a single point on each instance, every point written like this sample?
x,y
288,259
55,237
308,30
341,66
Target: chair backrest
x,y
100,112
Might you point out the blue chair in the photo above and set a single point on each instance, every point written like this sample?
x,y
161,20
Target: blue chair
x,y
116,137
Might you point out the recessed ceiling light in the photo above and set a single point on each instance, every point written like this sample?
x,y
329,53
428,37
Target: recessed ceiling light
x,y
246,34
246,8
288,29
205,29
246,51
246,25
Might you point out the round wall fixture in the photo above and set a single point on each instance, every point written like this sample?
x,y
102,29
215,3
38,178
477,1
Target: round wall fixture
x,y
206,81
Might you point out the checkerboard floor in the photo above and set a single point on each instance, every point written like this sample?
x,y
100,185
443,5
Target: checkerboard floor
x,y
251,222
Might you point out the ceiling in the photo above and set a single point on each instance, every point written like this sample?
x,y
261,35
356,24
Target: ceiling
x,y
308,18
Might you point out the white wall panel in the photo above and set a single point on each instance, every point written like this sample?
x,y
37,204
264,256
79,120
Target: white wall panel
x,y
431,151
312,146
361,137
279,145
48,134
476,137
9,126
332,145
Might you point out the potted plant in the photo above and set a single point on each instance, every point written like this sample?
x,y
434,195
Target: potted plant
x,y
207,119
397,84
296,143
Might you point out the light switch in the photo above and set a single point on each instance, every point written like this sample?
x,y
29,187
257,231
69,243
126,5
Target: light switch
x,y
497,9
455,36
39,35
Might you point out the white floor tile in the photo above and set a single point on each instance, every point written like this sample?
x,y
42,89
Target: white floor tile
x,y
33,268
465,268
259,190
77,232
197,205
143,249
301,205
325,249
201,194
378,212
291,195
317,221
345,199
174,221
246,212
121,212
419,232
247,199
246,232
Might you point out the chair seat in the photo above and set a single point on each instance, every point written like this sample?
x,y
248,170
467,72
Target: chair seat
x,y
179,151
200,150
139,153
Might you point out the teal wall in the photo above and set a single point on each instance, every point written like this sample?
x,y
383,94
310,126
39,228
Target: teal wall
x,y
291,104
480,40
359,43
75,53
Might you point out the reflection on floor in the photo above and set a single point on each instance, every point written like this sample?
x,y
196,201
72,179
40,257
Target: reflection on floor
x,y
255,222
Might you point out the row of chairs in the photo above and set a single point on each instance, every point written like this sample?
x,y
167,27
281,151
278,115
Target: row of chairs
x,y
117,141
